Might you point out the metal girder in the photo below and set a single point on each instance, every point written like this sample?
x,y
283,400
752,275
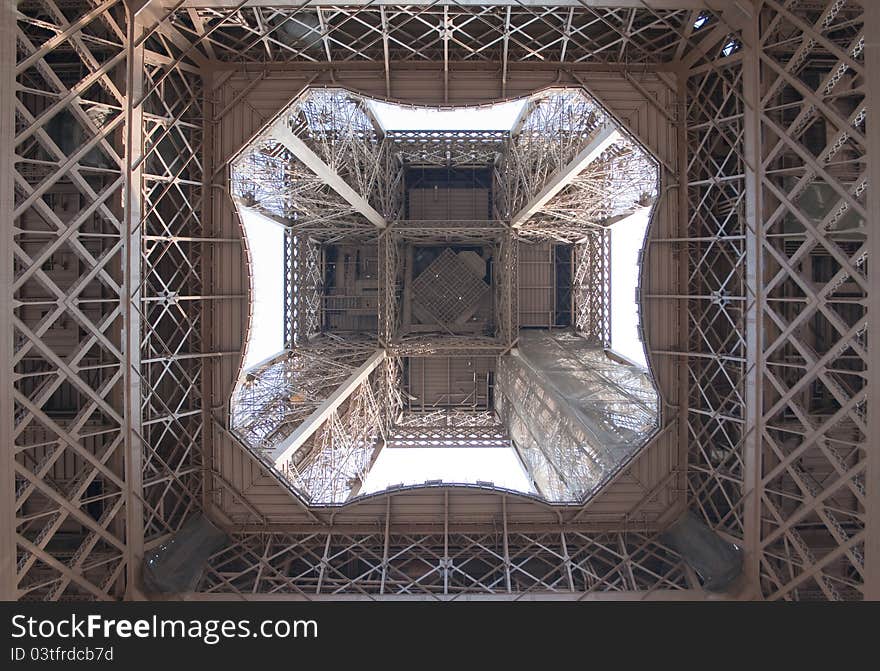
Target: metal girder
x,y
633,4
446,33
604,138
788,427
8,551
282,453
872,471
448,561
326,174
155,19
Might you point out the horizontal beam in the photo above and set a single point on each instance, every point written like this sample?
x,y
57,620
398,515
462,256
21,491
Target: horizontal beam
x,y
606,136
329,176
647,595
599,4
287,448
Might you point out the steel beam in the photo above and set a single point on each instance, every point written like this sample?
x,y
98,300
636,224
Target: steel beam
x,y
753,392
131,297
8,553
285,450
631,4
604,138
872,225
329,176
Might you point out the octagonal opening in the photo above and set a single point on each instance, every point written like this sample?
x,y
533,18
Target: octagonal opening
x,y
458,303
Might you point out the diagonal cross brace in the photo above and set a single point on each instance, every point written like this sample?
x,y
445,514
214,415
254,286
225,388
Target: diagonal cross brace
x,y
329,176
604,138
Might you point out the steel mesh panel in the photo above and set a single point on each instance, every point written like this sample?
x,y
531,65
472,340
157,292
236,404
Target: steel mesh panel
x,y
448,288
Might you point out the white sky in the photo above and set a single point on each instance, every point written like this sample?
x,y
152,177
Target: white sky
x,y
627,236
452,465
266,242
398,117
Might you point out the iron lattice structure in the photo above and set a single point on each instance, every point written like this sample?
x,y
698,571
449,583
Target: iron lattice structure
x,y
114,245
562,173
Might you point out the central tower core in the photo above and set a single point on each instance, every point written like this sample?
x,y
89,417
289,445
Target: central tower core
x,y
433,283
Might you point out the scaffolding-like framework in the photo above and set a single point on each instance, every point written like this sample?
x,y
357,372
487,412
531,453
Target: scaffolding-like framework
x,y
116,244
563,173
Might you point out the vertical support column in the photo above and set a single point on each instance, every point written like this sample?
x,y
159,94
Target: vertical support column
x,y
8,586
683,400
385,545
325,561
567,559
606,288
131,308
446,560
208,289
752,439
507,584
872,227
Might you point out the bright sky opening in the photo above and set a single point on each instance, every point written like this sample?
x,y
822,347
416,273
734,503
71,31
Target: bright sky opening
x,y
452,465
266,242
399,117
627,237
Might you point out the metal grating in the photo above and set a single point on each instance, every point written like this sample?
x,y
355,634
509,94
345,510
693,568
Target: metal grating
x,y
448,288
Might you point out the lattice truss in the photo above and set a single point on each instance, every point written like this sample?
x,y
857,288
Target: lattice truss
x,y
592,287
448,287
342,131
109,278
572,444
448,427
812,430
111,292
716,256
170,284
69,432
303,288
275,398
564,139
270,180
502,240
447,148
506,561
797,414
333,465
400,34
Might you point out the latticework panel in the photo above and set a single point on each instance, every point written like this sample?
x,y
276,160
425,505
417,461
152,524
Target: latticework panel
x,y
270,180
271,401
446,148
813,260
556,125
66,427
449,427
174,283
448,288
303,288
591,287
335,463
715,254
340,128
464,33
501,562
